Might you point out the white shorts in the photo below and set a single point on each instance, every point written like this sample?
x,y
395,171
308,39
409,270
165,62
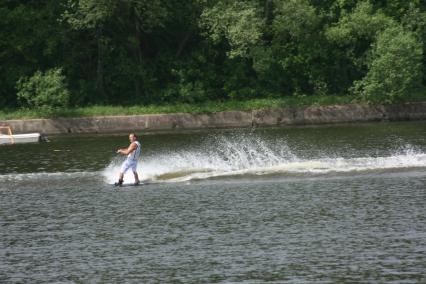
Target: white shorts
x,y
129,164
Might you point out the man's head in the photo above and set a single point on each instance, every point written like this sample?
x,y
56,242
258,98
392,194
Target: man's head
x,y
132,137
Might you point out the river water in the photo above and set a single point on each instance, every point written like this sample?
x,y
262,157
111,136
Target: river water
x,y
329,204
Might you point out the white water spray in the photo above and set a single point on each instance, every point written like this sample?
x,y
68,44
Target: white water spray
x,y
251,155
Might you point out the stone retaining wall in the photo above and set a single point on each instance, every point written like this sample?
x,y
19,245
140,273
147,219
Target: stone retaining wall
x,y
226,119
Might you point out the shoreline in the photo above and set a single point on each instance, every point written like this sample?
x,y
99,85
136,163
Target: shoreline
x,y
281,117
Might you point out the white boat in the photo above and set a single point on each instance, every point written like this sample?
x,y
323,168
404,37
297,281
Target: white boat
x,y
20,138
7,136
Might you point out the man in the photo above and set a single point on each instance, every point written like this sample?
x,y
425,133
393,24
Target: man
x,y
132,152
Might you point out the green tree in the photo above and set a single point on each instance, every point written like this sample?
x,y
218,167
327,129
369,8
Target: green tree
x,y
356,31
157,51
296,45
115,24
238,22
414,20
92,15
30,39
395,68
47,91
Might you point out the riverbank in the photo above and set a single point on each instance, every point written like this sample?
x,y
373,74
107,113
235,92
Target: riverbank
x,y
282,116
194,108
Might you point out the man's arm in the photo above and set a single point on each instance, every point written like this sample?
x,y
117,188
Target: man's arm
x,y
124,151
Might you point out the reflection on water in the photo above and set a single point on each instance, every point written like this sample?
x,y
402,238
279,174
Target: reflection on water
x,y
328,204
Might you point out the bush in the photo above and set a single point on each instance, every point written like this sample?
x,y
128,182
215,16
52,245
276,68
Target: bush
x,y
44,90
395,68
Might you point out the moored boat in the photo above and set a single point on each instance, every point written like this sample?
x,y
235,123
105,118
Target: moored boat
x,y
20,138
7,137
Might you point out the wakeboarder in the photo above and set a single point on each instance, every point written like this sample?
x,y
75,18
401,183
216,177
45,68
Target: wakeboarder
x,y
132,152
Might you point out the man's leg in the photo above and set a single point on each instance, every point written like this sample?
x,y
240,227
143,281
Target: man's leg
x,y
136,177
135,173
124,168
120,179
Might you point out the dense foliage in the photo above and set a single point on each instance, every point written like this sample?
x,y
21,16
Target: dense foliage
x,y
57,53
46,91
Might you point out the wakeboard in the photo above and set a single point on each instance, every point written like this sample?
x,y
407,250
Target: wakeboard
x,y
126,185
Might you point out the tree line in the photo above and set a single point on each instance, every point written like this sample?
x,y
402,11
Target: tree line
x,y
65,53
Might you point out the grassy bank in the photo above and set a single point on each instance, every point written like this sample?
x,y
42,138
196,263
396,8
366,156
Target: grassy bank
x,y
207,107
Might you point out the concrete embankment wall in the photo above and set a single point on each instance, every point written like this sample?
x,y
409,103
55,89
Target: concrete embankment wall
x,y
228,119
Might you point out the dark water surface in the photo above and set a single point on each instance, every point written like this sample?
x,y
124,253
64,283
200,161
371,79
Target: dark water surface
x,y
335,204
